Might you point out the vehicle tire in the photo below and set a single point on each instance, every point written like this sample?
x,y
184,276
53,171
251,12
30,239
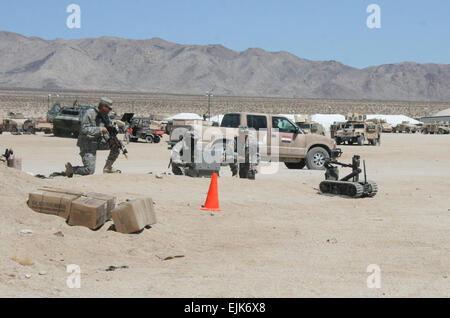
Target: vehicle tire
x,y
245,172
296,165
176,170
338,141
133,139
15,131
315,159
361,140
157,139
373,142
30,130
149,139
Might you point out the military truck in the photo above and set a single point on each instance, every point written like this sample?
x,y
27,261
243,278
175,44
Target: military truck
x,y
336,126
385,126
141,128
67,122
279,139
438,128
1,123
16,124
309,126
406,127
358,130
43,126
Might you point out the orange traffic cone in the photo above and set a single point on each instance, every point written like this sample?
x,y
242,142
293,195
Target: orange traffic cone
x,y
212,201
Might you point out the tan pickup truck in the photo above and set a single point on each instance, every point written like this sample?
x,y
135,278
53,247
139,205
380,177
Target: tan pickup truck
x,y
278,139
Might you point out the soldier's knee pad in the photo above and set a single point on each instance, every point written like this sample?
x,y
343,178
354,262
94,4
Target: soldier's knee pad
x,y
91,170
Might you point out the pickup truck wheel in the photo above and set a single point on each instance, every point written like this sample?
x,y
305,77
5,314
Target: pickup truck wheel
x,y
296,165
157,139
149,139
315,159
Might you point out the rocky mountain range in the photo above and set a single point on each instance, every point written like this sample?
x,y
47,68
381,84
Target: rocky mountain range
x,y
158,66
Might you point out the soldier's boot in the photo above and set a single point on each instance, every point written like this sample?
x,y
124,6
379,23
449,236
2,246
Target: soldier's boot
x,y
69,170
109,168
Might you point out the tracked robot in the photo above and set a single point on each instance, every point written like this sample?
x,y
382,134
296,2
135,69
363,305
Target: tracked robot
x,y
350,185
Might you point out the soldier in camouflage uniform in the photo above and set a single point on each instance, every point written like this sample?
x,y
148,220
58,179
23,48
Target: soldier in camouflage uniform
x,y
94,136
126,136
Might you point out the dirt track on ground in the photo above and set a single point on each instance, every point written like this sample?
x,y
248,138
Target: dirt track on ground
x,y
276,237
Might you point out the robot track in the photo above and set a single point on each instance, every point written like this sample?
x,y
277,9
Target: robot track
x,y
351,189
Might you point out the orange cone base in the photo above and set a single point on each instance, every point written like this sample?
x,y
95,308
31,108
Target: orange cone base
x,y
211,209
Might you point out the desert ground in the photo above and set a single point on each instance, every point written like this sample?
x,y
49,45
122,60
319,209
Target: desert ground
x,y
35,103
277,236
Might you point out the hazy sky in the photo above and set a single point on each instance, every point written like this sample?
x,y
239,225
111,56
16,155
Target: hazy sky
x,y
411,30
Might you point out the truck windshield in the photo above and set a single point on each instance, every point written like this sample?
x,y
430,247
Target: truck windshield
x,y
70,112
231,121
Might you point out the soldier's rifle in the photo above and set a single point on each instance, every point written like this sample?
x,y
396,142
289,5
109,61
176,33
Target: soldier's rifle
x,y
113,134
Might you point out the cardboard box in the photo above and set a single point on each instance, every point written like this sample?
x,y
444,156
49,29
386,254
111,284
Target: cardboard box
x,y
110,201
88,212
133,216
59,190
53,203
